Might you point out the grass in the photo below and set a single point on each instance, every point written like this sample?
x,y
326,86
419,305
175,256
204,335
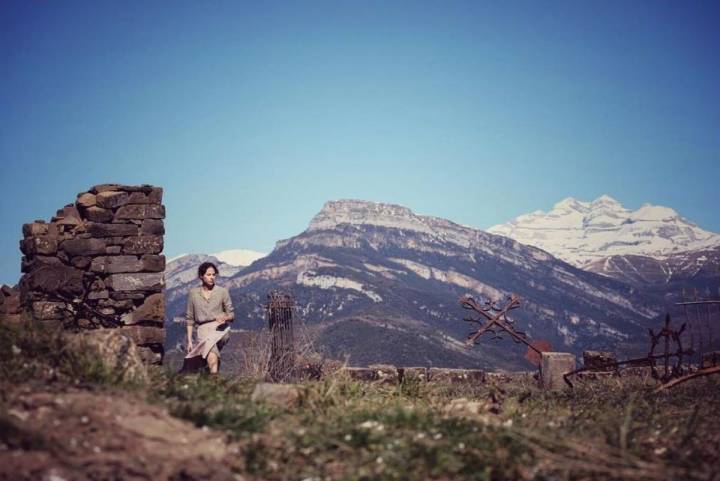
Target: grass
x,y
608,429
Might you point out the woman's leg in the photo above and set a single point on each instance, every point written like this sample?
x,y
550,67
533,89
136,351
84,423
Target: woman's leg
x,y
213,364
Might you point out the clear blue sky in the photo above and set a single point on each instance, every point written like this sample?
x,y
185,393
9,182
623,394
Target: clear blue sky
x,y
252,115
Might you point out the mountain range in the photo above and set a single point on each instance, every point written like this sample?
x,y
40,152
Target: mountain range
x,y
378,283
652,247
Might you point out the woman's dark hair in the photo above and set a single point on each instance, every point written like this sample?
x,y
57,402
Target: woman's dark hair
x,y
205,266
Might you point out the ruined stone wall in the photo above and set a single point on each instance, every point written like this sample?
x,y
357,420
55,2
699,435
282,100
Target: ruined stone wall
x,y
98,263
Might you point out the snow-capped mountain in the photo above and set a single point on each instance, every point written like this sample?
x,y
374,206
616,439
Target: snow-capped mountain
x,y
182,269
238,257
604,237
381,284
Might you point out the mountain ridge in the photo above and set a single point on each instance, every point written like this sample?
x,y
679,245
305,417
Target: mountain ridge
x,y
381,269
585,234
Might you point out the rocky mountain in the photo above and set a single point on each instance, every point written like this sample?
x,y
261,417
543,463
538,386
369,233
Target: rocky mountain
x,y
379,283
183,268
652,245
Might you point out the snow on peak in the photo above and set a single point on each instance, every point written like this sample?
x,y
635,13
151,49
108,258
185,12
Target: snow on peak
x,y
649,212
238,257
581,232
570,203
606,200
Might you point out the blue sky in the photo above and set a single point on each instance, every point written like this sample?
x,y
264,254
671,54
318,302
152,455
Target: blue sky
x,y
252,115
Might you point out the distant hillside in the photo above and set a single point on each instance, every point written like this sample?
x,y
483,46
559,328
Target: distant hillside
x,y
379,283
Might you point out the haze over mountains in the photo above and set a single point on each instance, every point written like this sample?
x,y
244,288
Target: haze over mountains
x,y
380,283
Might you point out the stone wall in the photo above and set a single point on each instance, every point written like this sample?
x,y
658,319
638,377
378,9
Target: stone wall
x,y
98,263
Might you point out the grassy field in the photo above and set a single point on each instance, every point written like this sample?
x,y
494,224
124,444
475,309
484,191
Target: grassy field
x,y
340,429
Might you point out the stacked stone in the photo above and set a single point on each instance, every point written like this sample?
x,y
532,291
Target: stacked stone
x,y
9,305
98,263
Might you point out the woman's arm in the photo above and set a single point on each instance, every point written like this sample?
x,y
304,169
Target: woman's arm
x,y
229,312
190,321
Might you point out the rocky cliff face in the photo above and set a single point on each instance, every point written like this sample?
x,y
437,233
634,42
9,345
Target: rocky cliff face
x,y
653,245
380,283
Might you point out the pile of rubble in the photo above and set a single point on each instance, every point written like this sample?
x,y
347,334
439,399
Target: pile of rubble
x,y
98,263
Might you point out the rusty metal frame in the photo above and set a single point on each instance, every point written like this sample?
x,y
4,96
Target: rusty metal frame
x,y
495,317
669,372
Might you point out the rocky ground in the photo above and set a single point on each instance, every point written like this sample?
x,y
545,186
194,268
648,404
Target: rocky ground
x,y
63,416
66,433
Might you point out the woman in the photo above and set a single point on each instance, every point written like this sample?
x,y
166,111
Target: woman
x,y
210,309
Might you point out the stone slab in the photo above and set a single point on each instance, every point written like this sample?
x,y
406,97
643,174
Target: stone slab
x,y
43,244
53,279
99,230
599,360
153,309
441,374
152,227
146,244
34,229
553,366
153,263
361,373
419,373
112,199
86,199
97,214
83,247
116,264
386,373
135,282
140,212
280,395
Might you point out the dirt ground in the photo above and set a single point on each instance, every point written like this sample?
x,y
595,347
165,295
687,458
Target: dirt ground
x,y
74,434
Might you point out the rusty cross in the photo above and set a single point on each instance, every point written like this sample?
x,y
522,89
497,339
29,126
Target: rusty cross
x,y
495,318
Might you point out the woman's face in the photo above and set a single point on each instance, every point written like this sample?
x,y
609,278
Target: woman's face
x,y
209,277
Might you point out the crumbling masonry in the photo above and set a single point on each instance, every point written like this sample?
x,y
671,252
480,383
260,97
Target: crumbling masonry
x,y
98,263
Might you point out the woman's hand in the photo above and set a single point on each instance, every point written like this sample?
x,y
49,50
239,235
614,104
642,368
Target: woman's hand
x,y
190,345
222,318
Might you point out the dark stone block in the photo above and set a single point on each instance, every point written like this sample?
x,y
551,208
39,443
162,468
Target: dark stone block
x,y
84,247
52,279
361,373
94,295
139,198
152,227
44,244
10,302
85,200
140,211
68,216
143,245
99,230
35,229
155,195
112,199
135,282
97,214
81,262
599,360
120,295
116,264
153,309
153,263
